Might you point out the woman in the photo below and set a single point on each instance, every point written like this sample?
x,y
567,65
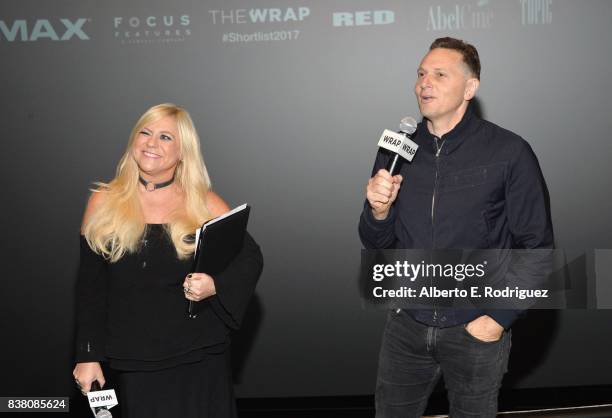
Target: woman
x,y
134,281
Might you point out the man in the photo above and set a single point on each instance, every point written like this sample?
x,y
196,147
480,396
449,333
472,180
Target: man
x,y
471,185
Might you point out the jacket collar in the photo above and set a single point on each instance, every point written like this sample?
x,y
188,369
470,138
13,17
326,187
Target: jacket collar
x,y
453,137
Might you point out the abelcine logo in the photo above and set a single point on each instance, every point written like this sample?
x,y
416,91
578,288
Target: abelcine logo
x,y
469,15
55,30
152,28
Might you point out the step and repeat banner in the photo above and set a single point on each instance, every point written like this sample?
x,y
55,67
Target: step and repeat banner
x,y
290,98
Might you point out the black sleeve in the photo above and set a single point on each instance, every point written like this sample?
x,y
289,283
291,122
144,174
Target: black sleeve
x,y
236,284
527,200
375,233
91,297
530,224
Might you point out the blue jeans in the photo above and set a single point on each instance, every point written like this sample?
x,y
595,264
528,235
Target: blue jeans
x,y
413,356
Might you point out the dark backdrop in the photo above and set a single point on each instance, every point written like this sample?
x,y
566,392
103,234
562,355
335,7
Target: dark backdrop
x,y
290,126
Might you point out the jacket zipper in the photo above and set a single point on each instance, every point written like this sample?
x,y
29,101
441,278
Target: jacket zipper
x,y
433,206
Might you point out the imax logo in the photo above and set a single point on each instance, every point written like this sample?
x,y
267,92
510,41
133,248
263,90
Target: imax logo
x,y
65,30
363,18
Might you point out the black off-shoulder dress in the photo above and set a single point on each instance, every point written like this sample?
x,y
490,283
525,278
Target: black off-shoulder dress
x,y
132,314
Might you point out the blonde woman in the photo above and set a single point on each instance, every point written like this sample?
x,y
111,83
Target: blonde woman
x,y
134,281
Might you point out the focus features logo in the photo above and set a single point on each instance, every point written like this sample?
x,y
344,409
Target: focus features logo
x,y
363,18
460,16
53,30
272,15
148,29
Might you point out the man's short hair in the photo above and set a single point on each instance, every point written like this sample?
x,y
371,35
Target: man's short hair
x,y
467,51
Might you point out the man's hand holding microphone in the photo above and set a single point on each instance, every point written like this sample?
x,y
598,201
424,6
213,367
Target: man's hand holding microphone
x,y
382,191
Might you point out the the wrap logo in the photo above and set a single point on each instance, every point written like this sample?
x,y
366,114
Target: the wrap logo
x,y
460,17
363,18
273,15
536,12
148,29
56,30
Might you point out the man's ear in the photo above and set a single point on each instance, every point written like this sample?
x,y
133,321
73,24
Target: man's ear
x,y
471,88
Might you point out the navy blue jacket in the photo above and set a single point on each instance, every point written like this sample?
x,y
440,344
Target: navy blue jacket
x,y
483,190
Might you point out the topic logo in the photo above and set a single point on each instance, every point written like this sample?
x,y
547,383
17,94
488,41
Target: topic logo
x,y
62,30
536,12
148,29
363,18
460,16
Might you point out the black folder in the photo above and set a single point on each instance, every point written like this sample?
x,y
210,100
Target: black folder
x,y
218,243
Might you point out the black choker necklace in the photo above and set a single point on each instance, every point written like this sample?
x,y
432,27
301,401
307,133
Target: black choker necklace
x,y
150,186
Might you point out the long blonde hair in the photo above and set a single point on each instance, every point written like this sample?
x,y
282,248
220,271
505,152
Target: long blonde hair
x,y
117,224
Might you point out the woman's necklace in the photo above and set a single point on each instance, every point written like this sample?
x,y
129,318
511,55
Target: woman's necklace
x,y
150,186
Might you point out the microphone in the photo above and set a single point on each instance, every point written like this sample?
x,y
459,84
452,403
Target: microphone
x,y
99,411
399,143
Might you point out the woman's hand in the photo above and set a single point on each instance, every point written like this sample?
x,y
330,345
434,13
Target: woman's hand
x,y
86,373
198,286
